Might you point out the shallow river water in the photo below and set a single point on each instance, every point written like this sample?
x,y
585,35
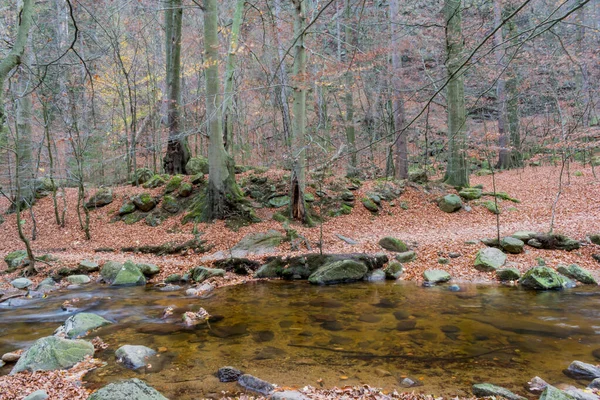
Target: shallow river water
x,y
294,334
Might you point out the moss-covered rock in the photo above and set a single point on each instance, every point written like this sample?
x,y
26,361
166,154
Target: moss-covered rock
x,y
394,270
554,241
81,324
508,274
132,218
53,353
154,182
279,217
109,271
450,203
595,238
78,279
301,267
88,266
491,206
369,204
197,165
173,278
512,245
148,269
144,202
406,256
418,176
200,274
272,269
173,184
488,390
132,389
470,193
101,198
16,259
141,176
279,201
129,275
578,273
339,272
127,207
393,244
185,190
436,276
542,278
170,204
552,393
343,210
43,186
257,243
524,235
489,259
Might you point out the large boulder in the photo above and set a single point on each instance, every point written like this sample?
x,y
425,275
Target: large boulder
x,y
200,274
53,353
436,276
43,186
131,389
141,176
578,273
101,198
470,193
173,184
508,274
257,243
406,256
197,165
129,275
339,272
148,269
154,182
144,202
393,244
16,259
88,266
394,270
134,357
79,325
109,271
542,278
552,393
450,203
581,370
512,245
489,259
488,390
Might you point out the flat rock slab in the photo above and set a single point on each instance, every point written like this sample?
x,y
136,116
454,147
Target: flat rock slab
x,y
53,353
436,276
79,325
134,357
131,389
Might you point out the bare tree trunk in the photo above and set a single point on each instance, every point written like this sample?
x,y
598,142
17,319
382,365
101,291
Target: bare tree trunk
x,y
504,152
401,146
352,167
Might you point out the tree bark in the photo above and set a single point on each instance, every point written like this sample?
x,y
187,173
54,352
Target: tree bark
x,y
178,153
400,145
352,167
298,179
456,171
504,152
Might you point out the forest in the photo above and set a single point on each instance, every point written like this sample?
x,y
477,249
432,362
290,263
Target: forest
x,y
303,199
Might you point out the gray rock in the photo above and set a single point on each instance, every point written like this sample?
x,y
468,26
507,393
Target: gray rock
x,y
228,374
257,243
524,235
580,394
200,291
338,272
129,275
134,357
489,259
88,266
535,243
53,353
346,239
376,276
508,274
79,325
436,276
11,357
552,393
131,389
512,245
2,363
595,384
406,256
578,273
470,193
450,203
148,269
16,259
101,198
200,274
288,395
37,395
537,385
254,384
394,270
581,370
407,382
487,389
21,283
109,271
393,244
78,279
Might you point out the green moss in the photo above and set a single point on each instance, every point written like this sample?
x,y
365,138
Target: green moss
x,y
154,182
369,204
174,184
279,217
491,207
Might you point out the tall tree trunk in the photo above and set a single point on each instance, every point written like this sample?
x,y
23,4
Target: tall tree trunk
x,y
457,173
178,153
222,193
229,72
512,104
298,179
282,91
352,167
401,147
504,152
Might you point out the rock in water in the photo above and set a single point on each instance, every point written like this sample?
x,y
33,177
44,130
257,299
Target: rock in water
x,y
489,259
450,203
542,278
394,270
487,389
338,272
392,244
254,384
228,374
79,325
134,357
581,370
574,271
78,279
512,245
552,393
129,275
200,274
436,276
131,389
52,353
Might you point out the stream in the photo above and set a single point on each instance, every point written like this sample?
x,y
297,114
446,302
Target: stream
x,y
295,334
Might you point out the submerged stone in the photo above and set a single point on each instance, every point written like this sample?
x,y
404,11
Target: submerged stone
x,y
134,357
254,384
79,325
228,374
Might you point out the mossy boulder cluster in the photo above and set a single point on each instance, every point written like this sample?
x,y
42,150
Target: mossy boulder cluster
x,y
543,278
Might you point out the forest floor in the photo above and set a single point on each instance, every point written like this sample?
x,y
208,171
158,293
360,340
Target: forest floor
x,y
429,231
